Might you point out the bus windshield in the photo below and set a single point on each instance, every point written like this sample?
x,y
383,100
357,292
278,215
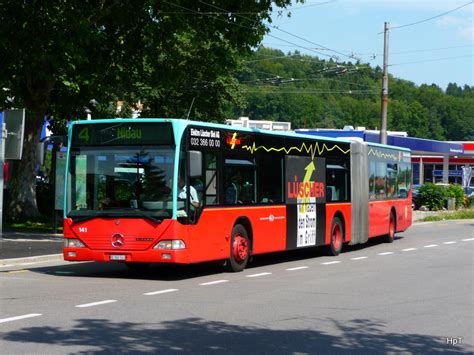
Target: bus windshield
x,y
120,181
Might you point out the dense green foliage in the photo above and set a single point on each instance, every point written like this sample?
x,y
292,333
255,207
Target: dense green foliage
x,y
435,197
456,191
316,93
432,196
470,202
62,58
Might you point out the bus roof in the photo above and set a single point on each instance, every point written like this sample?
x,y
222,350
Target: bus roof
x,y
183,123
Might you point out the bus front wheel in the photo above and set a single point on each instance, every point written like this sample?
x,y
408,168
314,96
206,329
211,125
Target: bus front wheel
x,y
239,249
337,236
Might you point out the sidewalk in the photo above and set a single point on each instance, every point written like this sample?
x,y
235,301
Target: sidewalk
x,y
28,246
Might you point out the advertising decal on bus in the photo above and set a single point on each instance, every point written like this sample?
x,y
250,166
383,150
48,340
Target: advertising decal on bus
x,y
305,184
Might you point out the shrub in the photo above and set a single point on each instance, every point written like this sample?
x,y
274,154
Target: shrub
x,y
457,192
432,196
470,201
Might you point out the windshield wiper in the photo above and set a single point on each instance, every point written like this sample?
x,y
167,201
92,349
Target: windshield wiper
x,y
147,216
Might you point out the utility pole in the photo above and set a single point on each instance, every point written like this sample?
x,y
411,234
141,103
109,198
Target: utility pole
x,y
383,118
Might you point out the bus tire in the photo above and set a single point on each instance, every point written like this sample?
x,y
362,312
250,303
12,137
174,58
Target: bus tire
x,y
137,266
390,237
239,249
337,236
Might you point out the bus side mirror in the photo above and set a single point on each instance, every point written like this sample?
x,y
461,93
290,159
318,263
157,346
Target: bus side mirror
x,y
195,163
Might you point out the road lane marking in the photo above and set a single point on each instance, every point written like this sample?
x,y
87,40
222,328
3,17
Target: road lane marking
x,y
258,275
467,240
160,292
95,303
431,246
11,319
213,282
17,271
297,268
450,242
359,258
7,265
386,253
409,249
330,263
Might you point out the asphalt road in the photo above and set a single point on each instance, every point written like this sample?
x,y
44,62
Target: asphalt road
x,y
413,296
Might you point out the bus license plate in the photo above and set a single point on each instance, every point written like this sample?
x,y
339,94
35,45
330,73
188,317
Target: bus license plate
x,y
117,257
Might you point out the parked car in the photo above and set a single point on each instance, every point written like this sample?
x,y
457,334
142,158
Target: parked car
x,y
469,191
415,204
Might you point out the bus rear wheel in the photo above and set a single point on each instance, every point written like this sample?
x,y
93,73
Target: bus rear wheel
x,y
390,237
239,249
337,236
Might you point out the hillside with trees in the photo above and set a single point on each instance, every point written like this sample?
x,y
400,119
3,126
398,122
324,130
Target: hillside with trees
x,y
311,93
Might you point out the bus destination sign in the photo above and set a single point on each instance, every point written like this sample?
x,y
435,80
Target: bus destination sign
x,y
122,134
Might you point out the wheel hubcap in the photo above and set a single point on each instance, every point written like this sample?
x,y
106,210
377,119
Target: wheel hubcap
x,y
240,248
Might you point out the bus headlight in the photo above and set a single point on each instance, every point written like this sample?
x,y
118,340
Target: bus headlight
x,y
170,245
73,243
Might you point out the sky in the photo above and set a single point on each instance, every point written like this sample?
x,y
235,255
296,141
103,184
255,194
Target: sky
x,y
426,48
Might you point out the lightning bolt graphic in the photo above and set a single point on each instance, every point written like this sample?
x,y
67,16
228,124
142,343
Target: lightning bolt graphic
x,y
307,178
233,140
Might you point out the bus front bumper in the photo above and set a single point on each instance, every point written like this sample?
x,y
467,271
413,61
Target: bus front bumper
x,y
148,256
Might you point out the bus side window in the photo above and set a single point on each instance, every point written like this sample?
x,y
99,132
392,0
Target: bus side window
x,y
331,193
231,194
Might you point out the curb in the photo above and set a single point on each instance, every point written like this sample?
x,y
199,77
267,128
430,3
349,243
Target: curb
x,y
31,260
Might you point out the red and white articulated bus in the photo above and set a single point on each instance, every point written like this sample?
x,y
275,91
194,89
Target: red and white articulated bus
x,y
257,191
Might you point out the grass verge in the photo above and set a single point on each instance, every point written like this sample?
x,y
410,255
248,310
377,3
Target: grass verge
x,y
441,216
35,225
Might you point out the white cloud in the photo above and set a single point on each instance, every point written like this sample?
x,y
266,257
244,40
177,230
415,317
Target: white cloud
x,y
467,32
448,21
462,26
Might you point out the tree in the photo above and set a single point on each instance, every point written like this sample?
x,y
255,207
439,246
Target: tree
x,y
58,56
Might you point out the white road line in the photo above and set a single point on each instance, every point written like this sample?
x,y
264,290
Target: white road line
x,y
360,258
258,275
297,268
160,292
467,240
213,282
409,249
95,303
7,265
330,263
450,242
11,319
386,253
431,246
